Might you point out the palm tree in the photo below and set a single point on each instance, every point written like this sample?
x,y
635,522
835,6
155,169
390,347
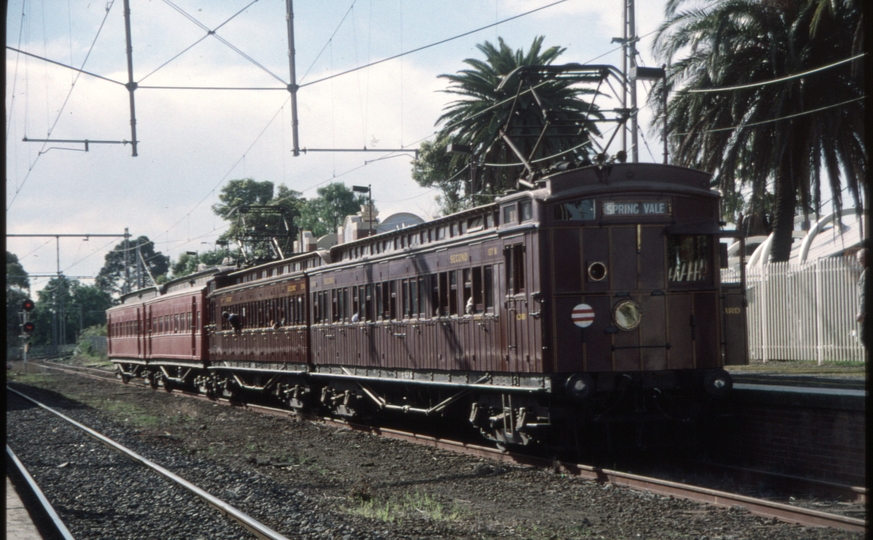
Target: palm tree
x,y
767,135
478,118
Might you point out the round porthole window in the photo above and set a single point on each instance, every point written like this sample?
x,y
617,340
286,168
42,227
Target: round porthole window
x,y
627,315
596,271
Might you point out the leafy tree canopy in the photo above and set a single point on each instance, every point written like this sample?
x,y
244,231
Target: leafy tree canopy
x,y
262,223
117,267
15,274
66,303
16,283
770,132
323,214
484,111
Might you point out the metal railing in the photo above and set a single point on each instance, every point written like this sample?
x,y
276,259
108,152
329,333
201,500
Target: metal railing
x,y
804,311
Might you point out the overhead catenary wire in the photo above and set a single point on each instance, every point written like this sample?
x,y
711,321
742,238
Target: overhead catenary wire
x,y
772,81
772,120
61,109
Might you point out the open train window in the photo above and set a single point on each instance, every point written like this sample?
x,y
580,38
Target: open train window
x,y
581,210
514,268
688,258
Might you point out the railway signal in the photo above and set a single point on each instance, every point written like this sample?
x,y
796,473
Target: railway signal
x,y
28,328
27,305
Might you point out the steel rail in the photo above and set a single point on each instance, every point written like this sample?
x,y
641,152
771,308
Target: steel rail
x,y
256,527
47,508
761,507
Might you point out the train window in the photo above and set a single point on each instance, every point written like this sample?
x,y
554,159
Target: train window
x,y
468,291
392,299
370,303
404,290
441,232
382,300
355,306
488,287
423,287
489,220
688,257
510,215
443,294
526,210
334,301
514,268
581,210
477,290
475,224
453,292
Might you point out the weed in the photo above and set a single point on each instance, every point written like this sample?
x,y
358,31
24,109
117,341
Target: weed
x,y
409,505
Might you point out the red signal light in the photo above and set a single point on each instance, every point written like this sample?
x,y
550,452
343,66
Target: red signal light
x,y
28,328
27,305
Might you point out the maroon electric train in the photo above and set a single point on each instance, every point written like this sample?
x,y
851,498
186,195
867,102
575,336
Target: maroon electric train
x,y
581,299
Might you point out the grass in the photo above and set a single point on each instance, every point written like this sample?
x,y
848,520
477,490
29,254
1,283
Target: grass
x,y
804,367
409,505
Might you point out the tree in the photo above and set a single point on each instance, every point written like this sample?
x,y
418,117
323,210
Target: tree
x,y
325,213
484,110
433,168
17,282
263,226
121,263
777,132
65,307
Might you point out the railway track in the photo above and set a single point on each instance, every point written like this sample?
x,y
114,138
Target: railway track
x,y
224,509
762,507
37,504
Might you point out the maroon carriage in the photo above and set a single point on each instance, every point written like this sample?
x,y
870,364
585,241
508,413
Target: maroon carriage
x,y
259,329
169,334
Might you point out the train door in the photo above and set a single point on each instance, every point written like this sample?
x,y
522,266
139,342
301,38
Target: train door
x,y
192,326
735,339
515,301
138,332
693,303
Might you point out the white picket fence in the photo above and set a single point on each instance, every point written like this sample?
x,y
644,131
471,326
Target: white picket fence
x,y
803,311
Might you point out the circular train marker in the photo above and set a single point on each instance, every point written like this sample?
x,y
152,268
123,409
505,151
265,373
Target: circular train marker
x,y
583,315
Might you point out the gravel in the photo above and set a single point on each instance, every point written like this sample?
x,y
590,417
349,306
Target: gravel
x,y
308,480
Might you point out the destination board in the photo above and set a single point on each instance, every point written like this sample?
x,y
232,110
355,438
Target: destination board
x,y
636,208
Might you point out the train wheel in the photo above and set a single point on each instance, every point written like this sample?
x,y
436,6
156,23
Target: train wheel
x,y
153,381
168,385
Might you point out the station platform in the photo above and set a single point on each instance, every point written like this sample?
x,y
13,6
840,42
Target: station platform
x,y
19,524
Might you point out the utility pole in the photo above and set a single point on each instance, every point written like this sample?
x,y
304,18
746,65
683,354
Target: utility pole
x,y
126,288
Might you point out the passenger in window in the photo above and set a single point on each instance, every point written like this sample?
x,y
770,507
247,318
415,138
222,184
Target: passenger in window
x,y
232,319
355,317
468,309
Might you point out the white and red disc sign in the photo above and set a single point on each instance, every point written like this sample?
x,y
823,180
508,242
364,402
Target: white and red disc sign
x,y
583,315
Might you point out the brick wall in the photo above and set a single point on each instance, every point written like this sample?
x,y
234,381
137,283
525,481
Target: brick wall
x,y
818,435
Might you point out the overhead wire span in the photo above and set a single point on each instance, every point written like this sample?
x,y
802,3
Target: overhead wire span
x,y
773,81
433,44
770,121
329,40
61,109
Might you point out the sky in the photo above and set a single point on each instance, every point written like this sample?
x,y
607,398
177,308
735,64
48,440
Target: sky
x,y
191,142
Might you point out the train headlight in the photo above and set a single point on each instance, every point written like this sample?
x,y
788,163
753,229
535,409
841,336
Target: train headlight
x,y
627,315
579,386
718,383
